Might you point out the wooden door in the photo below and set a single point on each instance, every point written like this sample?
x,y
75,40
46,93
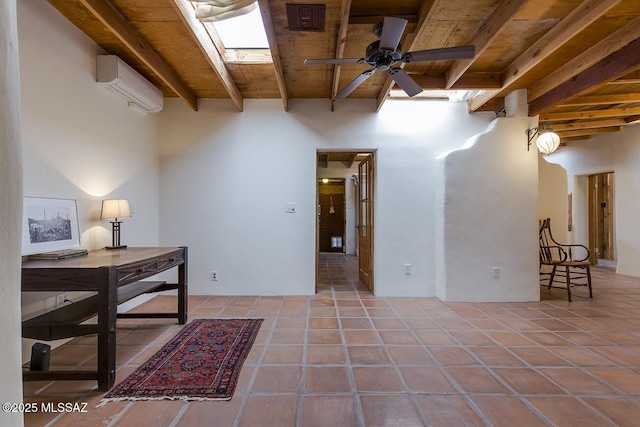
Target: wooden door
x,y
365,221
331,216
601,241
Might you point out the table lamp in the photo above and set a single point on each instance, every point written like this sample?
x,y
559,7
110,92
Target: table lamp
x,y
115,209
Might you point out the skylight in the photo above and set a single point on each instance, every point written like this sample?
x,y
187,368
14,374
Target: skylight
x,y
451,95
243,32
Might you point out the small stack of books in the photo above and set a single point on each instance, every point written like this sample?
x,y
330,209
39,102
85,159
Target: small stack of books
x,y
61,254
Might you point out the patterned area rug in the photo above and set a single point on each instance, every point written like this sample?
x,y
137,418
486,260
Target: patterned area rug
x,y
202,362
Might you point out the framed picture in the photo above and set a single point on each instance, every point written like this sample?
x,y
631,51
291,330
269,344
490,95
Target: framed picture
x,y
49,225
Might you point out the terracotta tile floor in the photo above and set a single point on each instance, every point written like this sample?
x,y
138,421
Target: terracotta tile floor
x,y
347,358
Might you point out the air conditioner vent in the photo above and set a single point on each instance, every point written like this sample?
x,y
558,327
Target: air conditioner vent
x,y
118,76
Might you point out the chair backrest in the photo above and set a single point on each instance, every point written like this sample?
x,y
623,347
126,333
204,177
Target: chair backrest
x,y
547,254
553,252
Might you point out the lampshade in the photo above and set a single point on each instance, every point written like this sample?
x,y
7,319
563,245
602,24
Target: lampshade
x,y
548,142
115,208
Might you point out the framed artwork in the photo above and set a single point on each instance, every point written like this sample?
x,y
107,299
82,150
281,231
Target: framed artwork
x,y
49,225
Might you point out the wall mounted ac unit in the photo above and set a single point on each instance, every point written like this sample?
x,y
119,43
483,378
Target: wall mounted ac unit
x,y
118,76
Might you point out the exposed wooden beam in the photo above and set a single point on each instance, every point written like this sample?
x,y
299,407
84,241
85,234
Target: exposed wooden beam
x,y
574,139
495,105
632,119
265,9
211,53
629,79
341,39
107,13
352,159
376,19
467,81
582,132
427,9
488,32
622,98
585,115
590,124
615,41
610,68
576,21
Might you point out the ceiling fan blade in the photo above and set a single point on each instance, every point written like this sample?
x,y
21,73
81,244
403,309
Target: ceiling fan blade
x,y
333,61
392,30
443,54
405,81
355,83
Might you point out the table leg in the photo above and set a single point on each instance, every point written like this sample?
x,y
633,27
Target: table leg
x,y
107,314
183,287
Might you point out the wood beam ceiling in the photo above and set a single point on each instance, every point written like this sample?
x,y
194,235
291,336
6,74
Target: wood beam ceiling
x,y
590,124
616,41
585,115
265,10
487,33
572,24
107,13
586,132
610,68
623,98
341,39
210,51
468,81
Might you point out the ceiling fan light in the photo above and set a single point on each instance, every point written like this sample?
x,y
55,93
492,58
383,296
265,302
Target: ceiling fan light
x,y
548,142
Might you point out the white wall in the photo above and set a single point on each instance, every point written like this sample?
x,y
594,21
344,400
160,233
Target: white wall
x,y
10,212
81,141
553,199
619,153
489,217
226,178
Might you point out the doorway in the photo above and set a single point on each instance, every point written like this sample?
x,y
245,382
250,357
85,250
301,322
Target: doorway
x,y
344,199
601,224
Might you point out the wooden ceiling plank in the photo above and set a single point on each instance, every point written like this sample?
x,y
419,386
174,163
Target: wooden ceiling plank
x,y
576,21
107,13
341,39
621,98
488,32
586,115
209,49
265,10
610,68
573,139
582,132
427,9
467,81
632,119
616,41
591,124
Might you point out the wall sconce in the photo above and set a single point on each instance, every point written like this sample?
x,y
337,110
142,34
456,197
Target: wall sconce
x,y
115,208
547,142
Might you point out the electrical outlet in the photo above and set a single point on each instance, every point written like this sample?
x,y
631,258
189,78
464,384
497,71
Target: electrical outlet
x,y
407,269
214,276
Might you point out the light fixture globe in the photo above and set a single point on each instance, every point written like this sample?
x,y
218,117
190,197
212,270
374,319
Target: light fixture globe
x,y
548,142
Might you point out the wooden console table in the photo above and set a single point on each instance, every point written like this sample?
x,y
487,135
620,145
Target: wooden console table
x,y
116,276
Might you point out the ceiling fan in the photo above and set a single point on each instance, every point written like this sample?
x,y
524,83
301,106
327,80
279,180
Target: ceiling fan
x,y
383,54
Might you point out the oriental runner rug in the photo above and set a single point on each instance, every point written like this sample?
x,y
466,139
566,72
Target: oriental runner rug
x,y
202,362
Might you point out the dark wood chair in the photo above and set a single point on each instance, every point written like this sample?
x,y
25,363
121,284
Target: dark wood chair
x,y
561,263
